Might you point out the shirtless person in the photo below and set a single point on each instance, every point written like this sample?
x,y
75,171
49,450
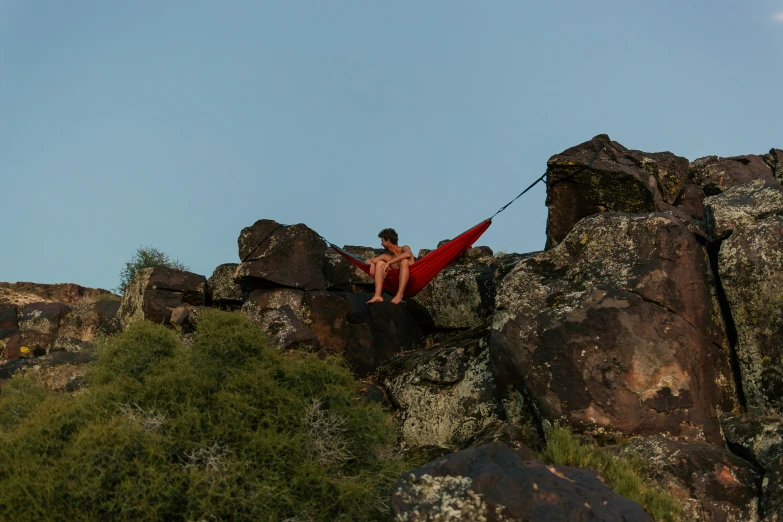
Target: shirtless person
x,y
401,258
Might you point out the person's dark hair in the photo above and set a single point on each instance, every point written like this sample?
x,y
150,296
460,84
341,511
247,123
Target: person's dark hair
x,y
389,234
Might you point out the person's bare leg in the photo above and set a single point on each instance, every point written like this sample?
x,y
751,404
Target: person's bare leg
x,y
377,298
405,272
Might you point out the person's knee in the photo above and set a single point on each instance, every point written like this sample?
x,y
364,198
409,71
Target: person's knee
x,y
405,262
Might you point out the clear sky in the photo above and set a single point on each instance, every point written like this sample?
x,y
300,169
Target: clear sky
x,y
175,124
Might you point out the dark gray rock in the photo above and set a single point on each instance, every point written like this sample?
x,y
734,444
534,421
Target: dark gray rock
x,y
280,255
617,331
619,180
492,483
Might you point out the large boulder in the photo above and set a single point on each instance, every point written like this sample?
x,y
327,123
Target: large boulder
x,y
446,394
715,175
458,297
155,293
742,205
280,255
711,483
494,484
760,440
750,264
377,332
618,180
223,290
617,331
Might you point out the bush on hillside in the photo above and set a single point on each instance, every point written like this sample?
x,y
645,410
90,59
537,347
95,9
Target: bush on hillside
x,y
145,257
226,429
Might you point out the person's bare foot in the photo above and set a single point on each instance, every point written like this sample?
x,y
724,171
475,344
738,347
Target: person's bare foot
x,y
397,299
375,299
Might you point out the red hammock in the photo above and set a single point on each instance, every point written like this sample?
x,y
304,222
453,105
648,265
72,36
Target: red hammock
x,y
426,268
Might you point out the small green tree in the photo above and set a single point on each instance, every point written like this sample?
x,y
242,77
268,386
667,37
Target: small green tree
x,y
145,257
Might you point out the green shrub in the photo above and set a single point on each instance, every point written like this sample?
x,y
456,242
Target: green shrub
x,y
227,429
625,475
145,257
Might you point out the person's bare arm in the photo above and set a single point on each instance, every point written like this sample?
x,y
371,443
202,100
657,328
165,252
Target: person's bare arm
x,y
405,254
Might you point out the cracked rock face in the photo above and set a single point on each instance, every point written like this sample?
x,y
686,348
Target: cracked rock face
x,y
492,483
760,440
445,394
742,205
617,332
711,483
280,255
750,264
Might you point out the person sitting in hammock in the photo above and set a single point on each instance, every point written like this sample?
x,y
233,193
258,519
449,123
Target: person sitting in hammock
x,y
401,258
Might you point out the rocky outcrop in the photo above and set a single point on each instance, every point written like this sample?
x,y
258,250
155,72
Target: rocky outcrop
x,y
742,205
493,483
66,293
617,331
445,395
760,440
711,483
750,263
155,293
280,255
32,325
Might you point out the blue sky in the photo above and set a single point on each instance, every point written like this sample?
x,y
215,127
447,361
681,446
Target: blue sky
x,y
175,124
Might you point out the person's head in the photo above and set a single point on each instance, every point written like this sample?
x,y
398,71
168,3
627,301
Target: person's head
x,y
388,237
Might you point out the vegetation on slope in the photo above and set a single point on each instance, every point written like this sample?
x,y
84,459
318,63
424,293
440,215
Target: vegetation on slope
x,y
625,475
223,429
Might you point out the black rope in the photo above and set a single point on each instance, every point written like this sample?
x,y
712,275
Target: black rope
x,y
543,176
